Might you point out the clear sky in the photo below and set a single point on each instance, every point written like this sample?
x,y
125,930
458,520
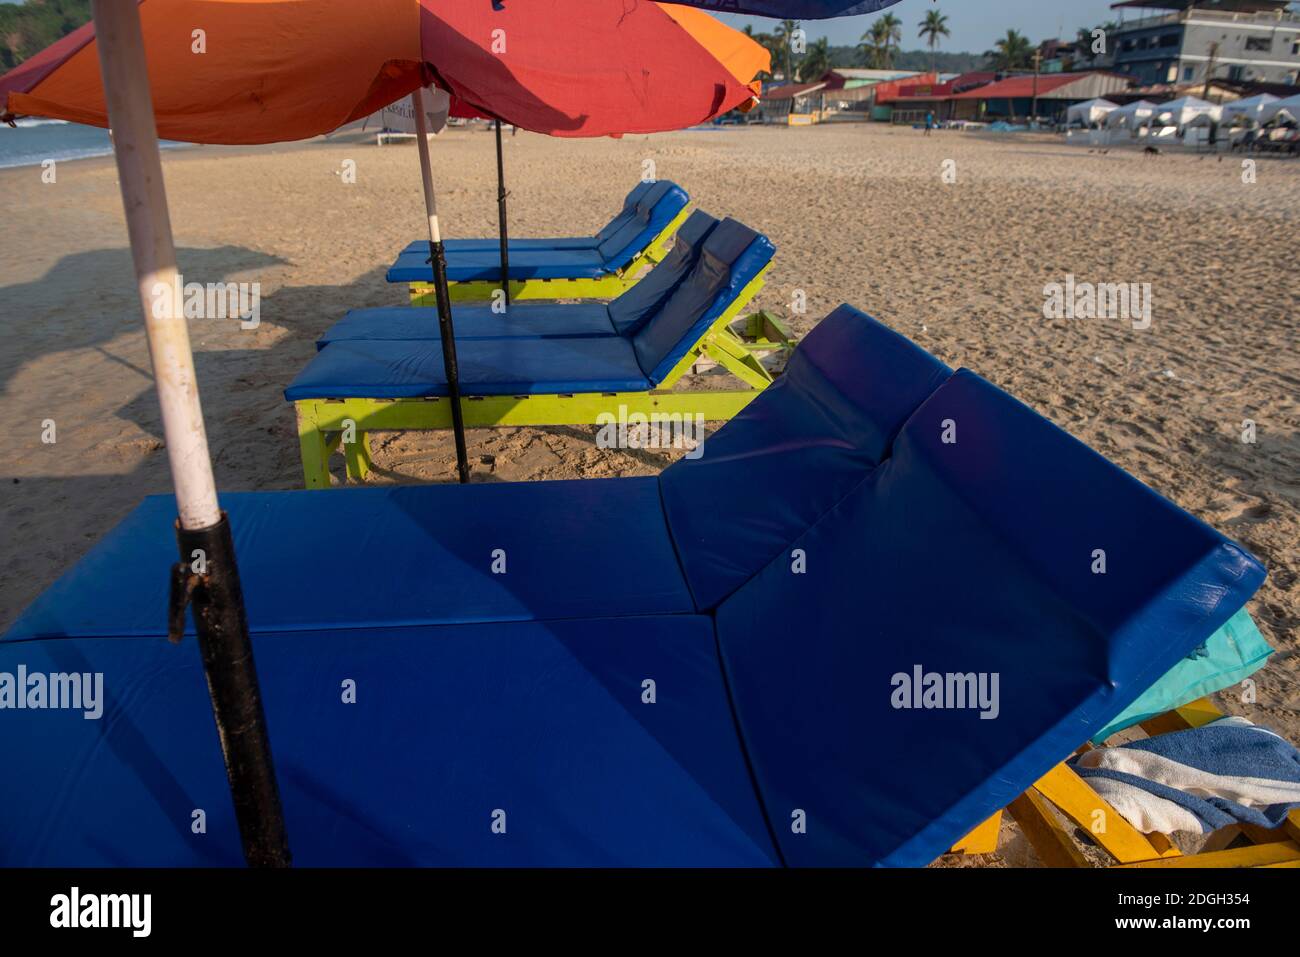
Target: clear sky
x,y
975,24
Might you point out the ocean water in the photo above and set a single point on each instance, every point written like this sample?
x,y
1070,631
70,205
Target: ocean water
x,y
34,141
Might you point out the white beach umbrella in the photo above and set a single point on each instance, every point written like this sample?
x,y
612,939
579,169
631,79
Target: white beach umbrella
x,y
1184,110
1251,108
1089,112
1131,114
1290,106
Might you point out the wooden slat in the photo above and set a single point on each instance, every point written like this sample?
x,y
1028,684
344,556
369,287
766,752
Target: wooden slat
x,y
1077,801
982,840
1259,855
1055,847
1193,715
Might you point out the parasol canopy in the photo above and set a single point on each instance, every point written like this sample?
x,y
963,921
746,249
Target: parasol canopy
x,y
249,71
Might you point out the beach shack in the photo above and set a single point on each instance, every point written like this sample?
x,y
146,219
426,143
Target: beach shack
x,y
1047,96
795,104
842,93
909,101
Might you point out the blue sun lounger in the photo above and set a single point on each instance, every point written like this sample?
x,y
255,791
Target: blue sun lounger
x,y
356,386
625,216
636,238
623,316
649,679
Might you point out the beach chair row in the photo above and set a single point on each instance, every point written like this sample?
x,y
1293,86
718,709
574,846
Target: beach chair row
x,y
582,267
547,363
726,699
586,336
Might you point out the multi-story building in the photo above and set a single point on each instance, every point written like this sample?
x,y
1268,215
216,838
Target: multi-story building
x,y
1186,40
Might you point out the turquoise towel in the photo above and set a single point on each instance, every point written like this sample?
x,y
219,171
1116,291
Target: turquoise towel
x,y
1230,654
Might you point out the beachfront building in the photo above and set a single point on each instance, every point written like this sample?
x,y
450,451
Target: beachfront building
x,y
981,97
840,93
1183,41
797,104
909,102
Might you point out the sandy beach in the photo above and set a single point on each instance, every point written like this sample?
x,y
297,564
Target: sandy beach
x,y
859,214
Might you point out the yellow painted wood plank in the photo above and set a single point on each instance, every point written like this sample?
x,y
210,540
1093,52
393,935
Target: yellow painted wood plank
x,y
1085,807
1054,846
1258,855
982,840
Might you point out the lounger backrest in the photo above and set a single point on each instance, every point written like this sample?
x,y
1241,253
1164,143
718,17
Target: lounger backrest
x,y
794,451
630,311
626,213
732,255
654,210
981,602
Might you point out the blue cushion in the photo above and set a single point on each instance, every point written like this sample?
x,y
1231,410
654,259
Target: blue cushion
x,y
731,256
543,721
653,211
635,307
390,556
624,316
656,207
795,450
634,196
494,245
421,246
485,265
400,370
474,321
967,558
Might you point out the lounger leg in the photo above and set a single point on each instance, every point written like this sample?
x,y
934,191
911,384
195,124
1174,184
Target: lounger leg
x,y
357,456
1055,847
311,443
1085,807
982,840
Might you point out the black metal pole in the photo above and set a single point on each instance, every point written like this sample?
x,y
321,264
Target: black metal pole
x,y
501,216
438,258
452,370
207,579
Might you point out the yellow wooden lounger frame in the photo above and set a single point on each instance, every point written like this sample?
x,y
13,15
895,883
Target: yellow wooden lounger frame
x,y
600,287
1061,789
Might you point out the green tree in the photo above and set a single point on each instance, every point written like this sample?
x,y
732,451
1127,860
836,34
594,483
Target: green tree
x,y
816,61
893,31
28,28
878,42
1012,52
934,26
785,36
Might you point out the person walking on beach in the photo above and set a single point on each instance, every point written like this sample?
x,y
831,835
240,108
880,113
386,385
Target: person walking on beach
x,y
929,121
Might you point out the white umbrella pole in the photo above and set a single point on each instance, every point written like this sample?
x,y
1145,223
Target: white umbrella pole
x,y
206,578
438,258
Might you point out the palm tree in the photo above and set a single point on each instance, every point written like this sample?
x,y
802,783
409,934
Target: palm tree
x,y
934,26
893,30
1012,52
816,61
785,36
877,44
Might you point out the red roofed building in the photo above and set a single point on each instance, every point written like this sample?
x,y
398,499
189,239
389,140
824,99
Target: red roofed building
x,y
981,96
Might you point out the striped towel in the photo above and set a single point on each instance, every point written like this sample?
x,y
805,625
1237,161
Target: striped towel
x,y
1199,780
